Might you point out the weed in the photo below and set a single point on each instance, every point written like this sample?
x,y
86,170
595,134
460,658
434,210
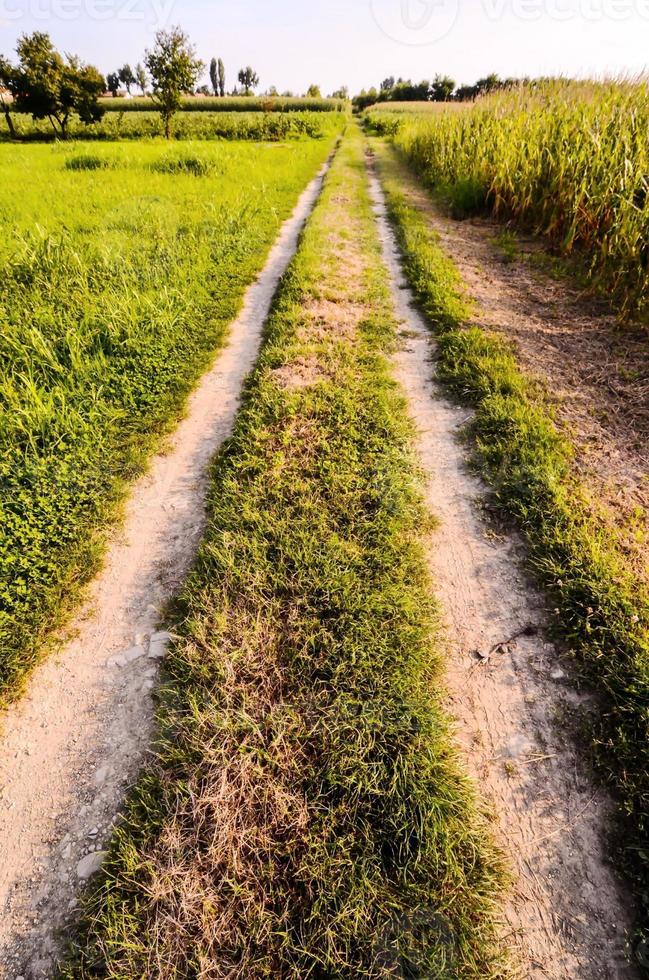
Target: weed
x,y
87,161
193,165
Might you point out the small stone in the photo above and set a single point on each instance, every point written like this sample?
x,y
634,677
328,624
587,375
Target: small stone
x,y
101,776
557,674
127,657
66,853
90,864
517,746
158,645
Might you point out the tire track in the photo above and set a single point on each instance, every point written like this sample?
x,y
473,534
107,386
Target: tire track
x,y
75,742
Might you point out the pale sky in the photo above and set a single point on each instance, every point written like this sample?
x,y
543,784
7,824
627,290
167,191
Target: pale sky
x,y
293,43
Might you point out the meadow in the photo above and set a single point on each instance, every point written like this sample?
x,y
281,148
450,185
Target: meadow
x,y
121,268
135,123
566,160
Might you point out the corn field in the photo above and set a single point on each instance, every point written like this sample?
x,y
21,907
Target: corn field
x,y
569,160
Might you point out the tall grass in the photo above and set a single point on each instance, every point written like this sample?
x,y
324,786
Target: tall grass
x,y
568,160
116,286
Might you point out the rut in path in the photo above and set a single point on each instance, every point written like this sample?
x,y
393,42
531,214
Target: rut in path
x,y
74,744
567,913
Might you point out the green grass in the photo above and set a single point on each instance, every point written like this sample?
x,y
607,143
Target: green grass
x,y
136,124
117,284
306,816
569,160
602,606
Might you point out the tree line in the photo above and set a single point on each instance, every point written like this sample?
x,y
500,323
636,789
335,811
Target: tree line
x,y
56,87
441,89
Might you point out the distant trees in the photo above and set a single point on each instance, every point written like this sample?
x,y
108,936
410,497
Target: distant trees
x,y
6,70
490,83
217,76
249,78
174,70
112,83
313,92
140,77
442,88
49,86
126,77
340,93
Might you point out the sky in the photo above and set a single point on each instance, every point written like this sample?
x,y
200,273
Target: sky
x,y
295,43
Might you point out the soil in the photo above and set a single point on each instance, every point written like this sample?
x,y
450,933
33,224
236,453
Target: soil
x,y
568,913
72,747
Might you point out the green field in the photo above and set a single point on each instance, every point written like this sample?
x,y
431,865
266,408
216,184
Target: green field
x,y
206,125
117,286
230,103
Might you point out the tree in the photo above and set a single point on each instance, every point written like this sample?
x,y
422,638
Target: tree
x,y
221,76
49,86
214,75
112,81
5,80
387,84
126,77
488,84
272,92
313,92
442,88
249,78
174,69
140,77
465,93
340,93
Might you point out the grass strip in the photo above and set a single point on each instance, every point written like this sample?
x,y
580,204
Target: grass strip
x,y
218,125
602,609
306,816
117,285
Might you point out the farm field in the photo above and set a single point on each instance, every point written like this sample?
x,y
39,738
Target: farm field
x,y
566,160
228,103
189,125
343,422
122,268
